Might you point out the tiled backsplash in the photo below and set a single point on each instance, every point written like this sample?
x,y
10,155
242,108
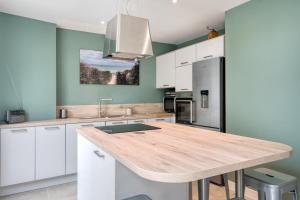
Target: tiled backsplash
x,y
86,111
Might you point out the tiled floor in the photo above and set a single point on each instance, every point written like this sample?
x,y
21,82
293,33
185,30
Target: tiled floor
x,y
68,192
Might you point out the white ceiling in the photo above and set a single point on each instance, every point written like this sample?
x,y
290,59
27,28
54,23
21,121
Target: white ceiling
x,y
169,23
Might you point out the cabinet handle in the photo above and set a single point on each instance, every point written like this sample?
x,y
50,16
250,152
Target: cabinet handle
x,y
99,154
87,125
117,122
184,89
139,121
52,128
160,120
183,63
210,56
165,85
19,131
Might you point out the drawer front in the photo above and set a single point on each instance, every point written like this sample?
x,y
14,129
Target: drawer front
x,y
71,144
115,123
17,156
137,121
50,151
164,119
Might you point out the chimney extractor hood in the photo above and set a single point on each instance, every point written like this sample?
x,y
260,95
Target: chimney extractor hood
x,y
127,37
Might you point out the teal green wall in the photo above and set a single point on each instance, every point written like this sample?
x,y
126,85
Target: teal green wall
x,y
71,92
197,40
262,78
28,50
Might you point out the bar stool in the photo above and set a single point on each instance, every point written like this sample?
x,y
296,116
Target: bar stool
x,y
271,184
138,197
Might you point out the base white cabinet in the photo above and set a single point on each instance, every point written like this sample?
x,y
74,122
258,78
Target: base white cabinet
x,y
17,156
50,151
96,172
71,144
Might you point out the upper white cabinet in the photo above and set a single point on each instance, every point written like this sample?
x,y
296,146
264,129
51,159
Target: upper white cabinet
x,y
71,144
50,151
186,56
165,70
210,49
184,78
17,156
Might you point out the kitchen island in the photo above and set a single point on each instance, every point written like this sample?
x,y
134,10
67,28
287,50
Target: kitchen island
x,y
161,163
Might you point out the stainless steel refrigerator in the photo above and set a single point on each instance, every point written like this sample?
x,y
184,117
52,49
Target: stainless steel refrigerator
x,y
209,93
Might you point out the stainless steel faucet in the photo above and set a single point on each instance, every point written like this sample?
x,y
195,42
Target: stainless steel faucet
x,y
100,106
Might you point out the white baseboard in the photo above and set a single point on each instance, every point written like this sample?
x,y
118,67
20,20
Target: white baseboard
x,y
249,193
24,187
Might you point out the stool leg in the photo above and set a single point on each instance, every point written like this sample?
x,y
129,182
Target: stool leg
x,y
295,194
239,185
225,177
261,195
203,189
273,195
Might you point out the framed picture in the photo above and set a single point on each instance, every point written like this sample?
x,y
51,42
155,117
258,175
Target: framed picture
x,y
94,69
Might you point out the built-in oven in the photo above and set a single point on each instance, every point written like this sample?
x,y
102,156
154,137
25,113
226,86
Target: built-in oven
x,y
184,108
169,102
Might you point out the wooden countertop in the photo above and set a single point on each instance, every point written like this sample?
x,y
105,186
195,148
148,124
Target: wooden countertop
x,y
84,120
178,153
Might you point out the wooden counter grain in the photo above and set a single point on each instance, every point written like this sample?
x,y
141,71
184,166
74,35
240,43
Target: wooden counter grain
x,y
178,153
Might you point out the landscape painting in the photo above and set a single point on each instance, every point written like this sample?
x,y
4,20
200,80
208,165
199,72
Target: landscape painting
x,y
96,70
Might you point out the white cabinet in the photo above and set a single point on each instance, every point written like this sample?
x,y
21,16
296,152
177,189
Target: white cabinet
x,y
50,151
186,56
184,78
163,119
165,70
210,49
137,121
17,156
96,172
71,144
115,123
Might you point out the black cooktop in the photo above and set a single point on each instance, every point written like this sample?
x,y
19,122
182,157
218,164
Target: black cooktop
x,y
126,128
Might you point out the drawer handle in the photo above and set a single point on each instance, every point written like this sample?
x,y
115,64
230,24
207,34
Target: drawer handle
x,y
117,122
184,89
87,125
139,121
183,63
99,154
210,56
52,128
19,131
165,85
160,120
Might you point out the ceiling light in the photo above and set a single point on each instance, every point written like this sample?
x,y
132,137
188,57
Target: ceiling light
x,y
174,1
102,22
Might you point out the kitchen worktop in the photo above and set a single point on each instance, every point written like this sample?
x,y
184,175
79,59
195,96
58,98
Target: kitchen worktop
x,y
177,153
84,120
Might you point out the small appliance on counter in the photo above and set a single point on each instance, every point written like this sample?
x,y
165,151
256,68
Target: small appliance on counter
x,y
169,102
14,116
63,113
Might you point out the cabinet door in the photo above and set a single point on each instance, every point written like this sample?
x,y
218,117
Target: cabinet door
x,y
96,172
210,49
71,144
163,119
17,156
50,151
165,71
115,123
184,78
186,56
137,121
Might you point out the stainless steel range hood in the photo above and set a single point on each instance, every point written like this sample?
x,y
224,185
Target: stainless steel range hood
x,y
128,37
